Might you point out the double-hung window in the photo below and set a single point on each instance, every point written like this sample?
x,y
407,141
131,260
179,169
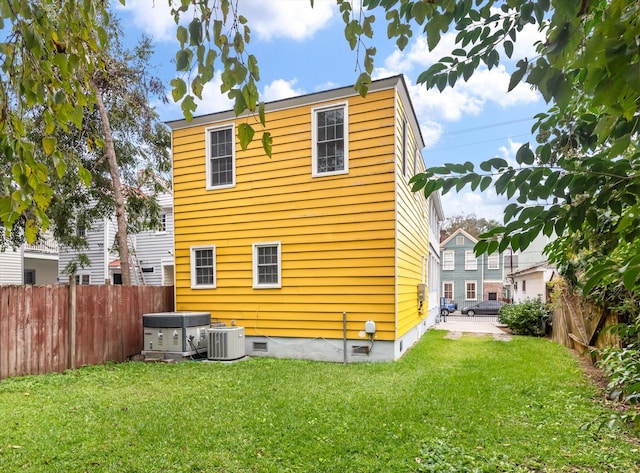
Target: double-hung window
x,y
330,152
221,157
493,261
203,267
448,260
470,293
470,261
267,270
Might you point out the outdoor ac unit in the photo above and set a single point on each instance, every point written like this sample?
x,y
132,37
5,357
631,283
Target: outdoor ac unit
x,y
225,343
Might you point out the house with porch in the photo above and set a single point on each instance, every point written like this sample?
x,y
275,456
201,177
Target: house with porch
x,y
321,251
31,263
151,252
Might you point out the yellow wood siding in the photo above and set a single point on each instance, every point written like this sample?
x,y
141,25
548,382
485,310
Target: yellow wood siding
x,y
337,233
412,229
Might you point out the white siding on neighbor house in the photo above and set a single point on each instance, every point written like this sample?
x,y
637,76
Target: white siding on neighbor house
x,y
100,243
11,266
536,284
154,249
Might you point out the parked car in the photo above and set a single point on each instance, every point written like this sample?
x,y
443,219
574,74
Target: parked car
x,y
483,308
447,306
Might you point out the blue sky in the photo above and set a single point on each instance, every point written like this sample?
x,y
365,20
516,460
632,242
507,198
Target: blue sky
x,y
302,50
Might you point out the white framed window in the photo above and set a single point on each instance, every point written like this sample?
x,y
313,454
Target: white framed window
x,y
83,279
162,228
448,260
459,240
447,289
203,267
470,261
81,231
267,265
471,293
221,157
493,261
330,140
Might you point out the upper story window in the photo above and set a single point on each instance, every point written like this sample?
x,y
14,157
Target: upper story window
x,y
448,260
81,231
221,157
493,262
163,223
470,260
203,267
330,140
459,240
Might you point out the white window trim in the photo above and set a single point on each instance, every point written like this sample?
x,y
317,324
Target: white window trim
x,y
452,289
79,277
495,259
475,283
460,240
254,252
314,139
207,132
192,264
468,264
444,260
164,224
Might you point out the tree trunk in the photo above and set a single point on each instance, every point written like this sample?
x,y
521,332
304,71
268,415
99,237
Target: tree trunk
x,y
121,217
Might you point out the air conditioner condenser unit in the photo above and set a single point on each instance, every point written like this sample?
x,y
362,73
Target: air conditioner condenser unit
x,y
225,343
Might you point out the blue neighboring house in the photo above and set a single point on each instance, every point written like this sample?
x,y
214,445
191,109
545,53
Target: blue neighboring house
x,y
465,279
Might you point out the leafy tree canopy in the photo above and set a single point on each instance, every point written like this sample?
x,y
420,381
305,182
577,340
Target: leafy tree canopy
x,y
471,224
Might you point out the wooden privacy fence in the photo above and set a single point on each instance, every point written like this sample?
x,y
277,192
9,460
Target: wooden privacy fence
x,y
52,328
579,324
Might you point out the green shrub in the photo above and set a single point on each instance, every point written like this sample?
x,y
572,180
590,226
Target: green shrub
x,y
526,318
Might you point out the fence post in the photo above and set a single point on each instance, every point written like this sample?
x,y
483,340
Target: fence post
x,y
71,353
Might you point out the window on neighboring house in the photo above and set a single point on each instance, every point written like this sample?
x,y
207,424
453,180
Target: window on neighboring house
x,y
404,147
493,262
470,261
163,223
203,267
81,231
515,285
448,260
470,293
459,240
221,169
84,279
117,278
447,290
267,265
493,296
524,286
29,276
330,140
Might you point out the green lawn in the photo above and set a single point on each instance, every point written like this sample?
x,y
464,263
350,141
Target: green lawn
x,y
472,404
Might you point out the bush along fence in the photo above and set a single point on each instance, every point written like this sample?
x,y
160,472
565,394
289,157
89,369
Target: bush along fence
x,y
53,328
578,324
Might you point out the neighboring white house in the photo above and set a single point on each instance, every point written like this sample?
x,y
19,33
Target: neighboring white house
x,y
531,282
35,263
436,217
151,253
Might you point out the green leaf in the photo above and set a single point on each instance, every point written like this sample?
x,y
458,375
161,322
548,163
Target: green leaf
x,y
525,155
85,175
195,32
518,74
183,60
267,143
179,89
49,144
183,36
245,135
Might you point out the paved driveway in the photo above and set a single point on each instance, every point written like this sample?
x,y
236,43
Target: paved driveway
x,y
470,324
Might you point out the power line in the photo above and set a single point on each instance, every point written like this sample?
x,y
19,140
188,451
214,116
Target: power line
x,y
431,150
491,125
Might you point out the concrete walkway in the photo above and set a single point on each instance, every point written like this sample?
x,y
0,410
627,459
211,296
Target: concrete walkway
x,y
460,325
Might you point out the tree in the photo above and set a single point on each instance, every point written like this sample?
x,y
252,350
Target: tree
x,y
471,224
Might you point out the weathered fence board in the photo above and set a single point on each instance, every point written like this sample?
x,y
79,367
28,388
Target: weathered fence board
x,y
35,320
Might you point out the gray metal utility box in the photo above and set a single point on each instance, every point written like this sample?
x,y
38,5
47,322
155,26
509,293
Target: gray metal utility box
x,y
175,334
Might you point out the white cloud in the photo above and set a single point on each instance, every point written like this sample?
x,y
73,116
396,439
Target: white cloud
x,y
152,18
431,132
487,204
296,20
280,89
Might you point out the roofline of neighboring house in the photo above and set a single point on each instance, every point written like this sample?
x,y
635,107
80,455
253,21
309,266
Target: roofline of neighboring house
x,y
459,230
308,99
541,265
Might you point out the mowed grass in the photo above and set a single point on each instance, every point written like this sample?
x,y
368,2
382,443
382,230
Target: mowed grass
x,y
472,404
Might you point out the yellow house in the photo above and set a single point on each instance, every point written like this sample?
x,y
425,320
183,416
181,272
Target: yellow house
x,y
318,251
